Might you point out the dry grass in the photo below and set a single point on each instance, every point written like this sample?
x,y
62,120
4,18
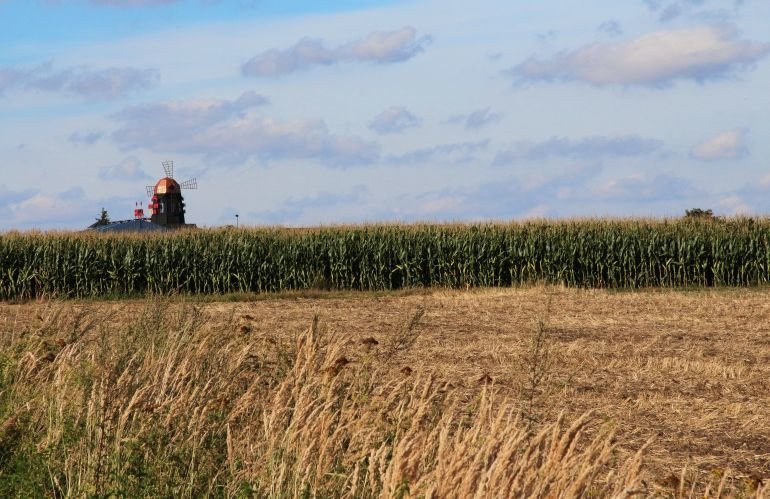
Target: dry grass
x,y
536,392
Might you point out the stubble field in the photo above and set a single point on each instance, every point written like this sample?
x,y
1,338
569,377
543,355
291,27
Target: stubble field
x,y
683,375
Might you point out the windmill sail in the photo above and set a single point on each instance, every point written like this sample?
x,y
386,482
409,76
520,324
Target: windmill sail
x,y
168,167
189,184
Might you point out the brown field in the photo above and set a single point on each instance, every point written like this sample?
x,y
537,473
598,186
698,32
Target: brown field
x,y
686,371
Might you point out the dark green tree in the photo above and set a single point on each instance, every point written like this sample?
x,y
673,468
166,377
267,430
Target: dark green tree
x,y
104,218
697,213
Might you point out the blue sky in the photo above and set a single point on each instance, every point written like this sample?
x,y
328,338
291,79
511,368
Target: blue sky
x,y
305,113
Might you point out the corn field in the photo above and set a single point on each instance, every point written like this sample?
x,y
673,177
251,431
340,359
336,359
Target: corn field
x,y
591,253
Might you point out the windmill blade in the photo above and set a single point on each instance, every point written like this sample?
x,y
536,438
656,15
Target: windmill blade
x,y
189,184
168,167
150,190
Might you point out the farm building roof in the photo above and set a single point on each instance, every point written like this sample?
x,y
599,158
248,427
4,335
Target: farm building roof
x,y
136,225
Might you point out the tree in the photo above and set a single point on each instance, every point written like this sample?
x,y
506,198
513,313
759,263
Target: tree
x,y
697,213
104,218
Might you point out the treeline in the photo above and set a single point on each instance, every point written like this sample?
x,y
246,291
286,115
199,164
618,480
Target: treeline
x,y
591,253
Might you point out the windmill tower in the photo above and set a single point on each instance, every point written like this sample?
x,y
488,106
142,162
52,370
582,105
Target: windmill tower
x,y
166,202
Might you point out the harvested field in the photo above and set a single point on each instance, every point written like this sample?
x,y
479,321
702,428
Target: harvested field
x,y
688,371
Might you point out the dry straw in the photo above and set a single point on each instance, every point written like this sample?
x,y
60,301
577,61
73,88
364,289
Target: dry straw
x,y
167,407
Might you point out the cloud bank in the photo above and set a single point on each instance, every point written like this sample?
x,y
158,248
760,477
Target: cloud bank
x,y
646,188
655,59
726,145
476,119
128,169
611,28
453,153
588,148
103,84
379,47
394,120
32,208
668,10
291,210
225,131
87,138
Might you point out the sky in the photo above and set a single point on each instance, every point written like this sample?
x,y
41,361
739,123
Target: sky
x,y
300,113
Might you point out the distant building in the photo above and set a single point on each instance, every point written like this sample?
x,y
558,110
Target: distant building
x,y
167,208
136,225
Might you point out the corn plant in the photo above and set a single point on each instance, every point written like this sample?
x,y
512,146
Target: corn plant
x,y
581,253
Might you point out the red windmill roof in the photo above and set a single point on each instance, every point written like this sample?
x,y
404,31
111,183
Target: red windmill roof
x,y
167,185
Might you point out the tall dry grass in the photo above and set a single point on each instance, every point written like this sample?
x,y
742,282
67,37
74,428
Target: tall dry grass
x,y
172,405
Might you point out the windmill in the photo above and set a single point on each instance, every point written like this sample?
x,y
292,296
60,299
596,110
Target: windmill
x,y
166,202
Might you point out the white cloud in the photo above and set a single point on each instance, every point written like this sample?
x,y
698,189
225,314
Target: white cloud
x,y
103,84
726,145
41,210
128,169
291,210
642,188
734,205
152,124
379,47
454,153
9,197
655,59
394,120
587,148
611,28
71,208
88,138
476,119
225,131
504,198
538,212
669,10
